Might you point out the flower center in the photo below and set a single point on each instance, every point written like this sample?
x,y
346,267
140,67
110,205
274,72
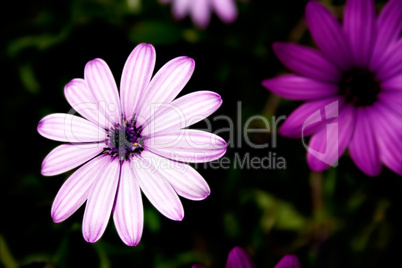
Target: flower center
x,y
359,87
124,140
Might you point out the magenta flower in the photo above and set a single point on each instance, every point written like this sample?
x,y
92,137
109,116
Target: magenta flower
x,y
354,81
138,141
200,10
239,258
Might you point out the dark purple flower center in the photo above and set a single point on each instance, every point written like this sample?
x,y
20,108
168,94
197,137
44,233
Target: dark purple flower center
x,y
124,140
359,87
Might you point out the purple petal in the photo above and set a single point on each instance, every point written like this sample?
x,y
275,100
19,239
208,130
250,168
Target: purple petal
x,y
307,62
100,201
200,13
389,138
103,88
76,188
306,119
391,62
165,86
81,100
392,99
136,76
239,258
297,87
289,261
363,145
225,9
187,145
184,179
328,144
128,214
68,156
328,35
70,128
389,26
180,8
393,83
183,112
157,189
359,26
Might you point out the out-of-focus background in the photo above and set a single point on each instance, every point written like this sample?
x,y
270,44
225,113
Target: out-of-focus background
x,y
338,218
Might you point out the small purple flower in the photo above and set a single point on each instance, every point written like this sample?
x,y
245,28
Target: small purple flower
x,y
200,10
354,81
136,141
239,258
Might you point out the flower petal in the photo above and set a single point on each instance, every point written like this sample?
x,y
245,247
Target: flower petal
x,y
103,88
136,76
165,86
76,188
328,35
225,9
157,189
187,145
128,214
393,83
289,261
359,25
391,62
363,145
239,257
68,156
200,13
184,179
328,144
392,99
306,61
183,112
70,128
100,201
389,138
297,87
81,100
389,26
306,119
180,8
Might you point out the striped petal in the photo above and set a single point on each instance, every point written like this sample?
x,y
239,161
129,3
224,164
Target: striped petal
x,y
306,119
156,188
70,128
100,201
297,87
183,112
187,145
76,188
136,76
328,35
307,62
391,62
363,145
68,156
328,144
200,13
103,88
184,179
359,23
165,86
128,214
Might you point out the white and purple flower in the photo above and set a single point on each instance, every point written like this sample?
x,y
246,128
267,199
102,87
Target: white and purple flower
x,y
200,10
358,67
128,144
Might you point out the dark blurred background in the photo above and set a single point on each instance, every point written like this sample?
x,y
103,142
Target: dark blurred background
x,y
338,218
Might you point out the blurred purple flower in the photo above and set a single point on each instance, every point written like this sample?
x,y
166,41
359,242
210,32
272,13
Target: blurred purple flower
x,y
239,258
355,77
200,10
130,143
